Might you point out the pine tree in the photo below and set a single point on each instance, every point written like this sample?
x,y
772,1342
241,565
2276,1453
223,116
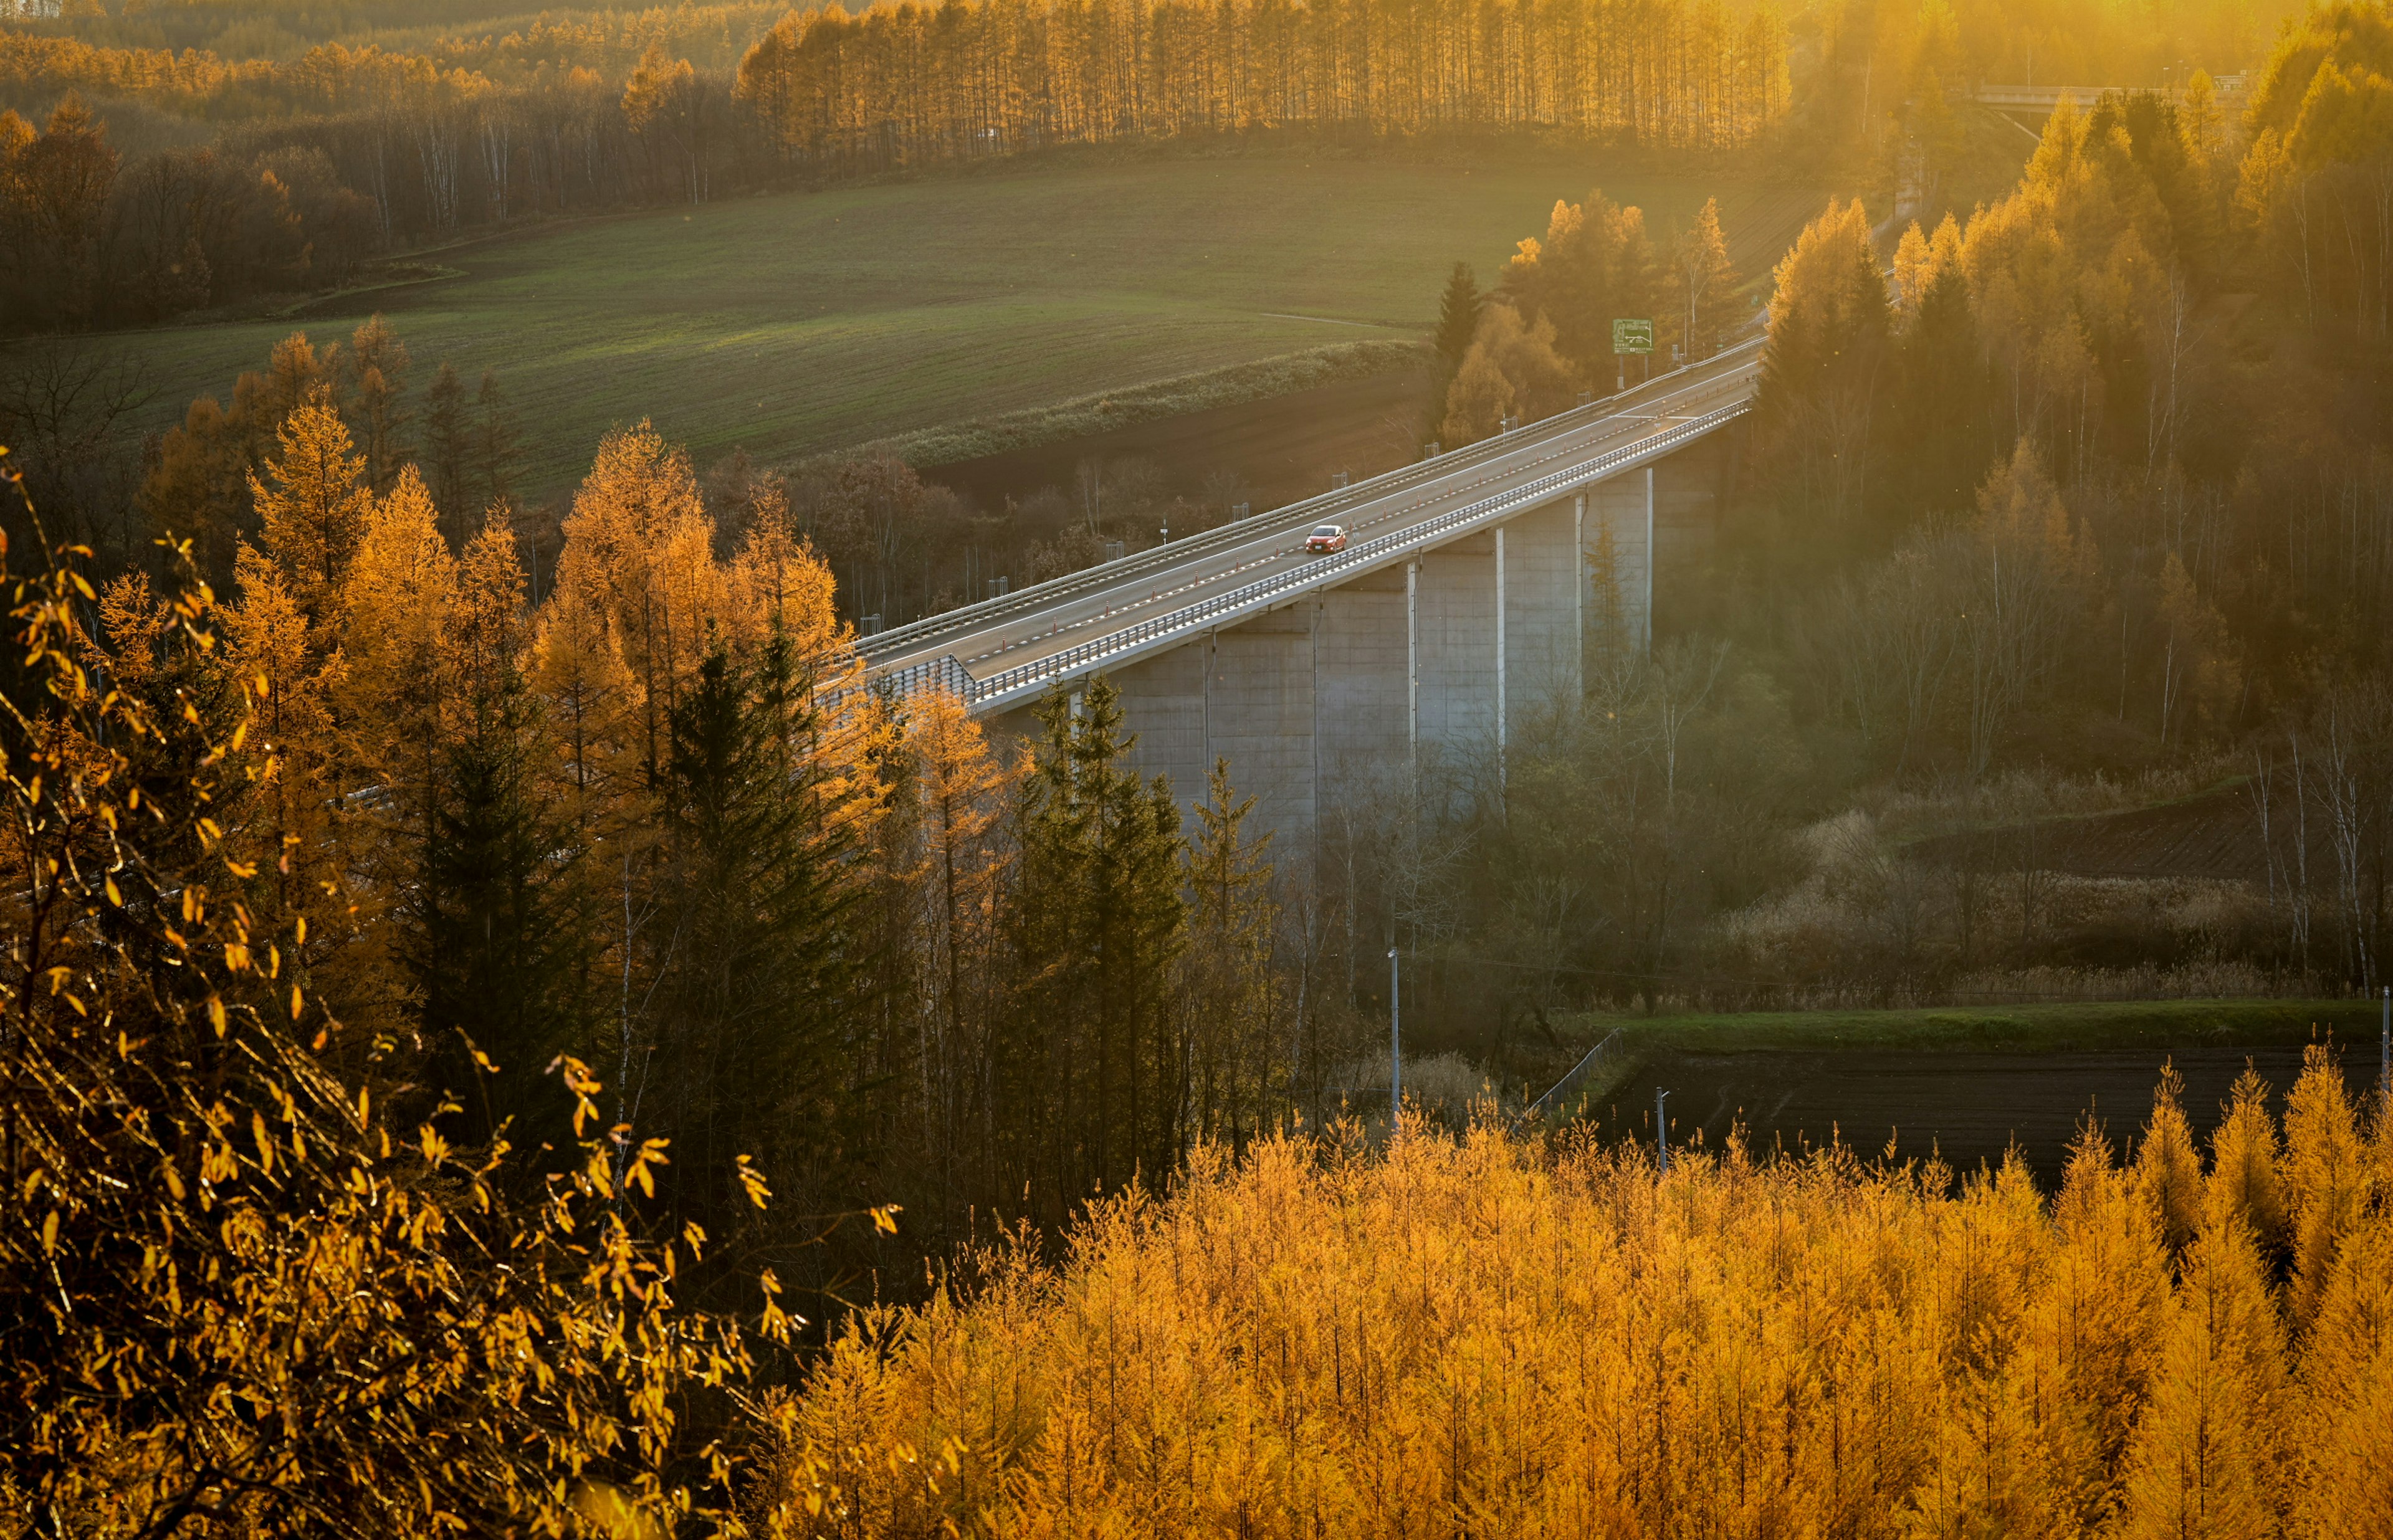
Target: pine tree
x,y
1457,315
2325,1175
197,488
1228,994
1829,328
1457,323
2343,1421
2243,1179
2100,1315
958,789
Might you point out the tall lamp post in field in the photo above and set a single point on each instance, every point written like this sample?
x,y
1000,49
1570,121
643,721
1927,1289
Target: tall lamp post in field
x,y
1395,1047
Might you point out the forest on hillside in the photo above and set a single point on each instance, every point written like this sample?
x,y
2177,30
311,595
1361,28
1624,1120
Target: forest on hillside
x,y
166,159
506,1030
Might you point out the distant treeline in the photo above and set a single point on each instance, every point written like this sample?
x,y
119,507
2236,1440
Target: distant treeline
x,y
905,83
323,158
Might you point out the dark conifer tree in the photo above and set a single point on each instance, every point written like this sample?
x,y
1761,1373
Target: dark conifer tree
x,y
497,443
751,954
1944,440
1092,1073
449,434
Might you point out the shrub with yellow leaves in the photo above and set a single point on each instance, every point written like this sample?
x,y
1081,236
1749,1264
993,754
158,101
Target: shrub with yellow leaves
x,y
234,1296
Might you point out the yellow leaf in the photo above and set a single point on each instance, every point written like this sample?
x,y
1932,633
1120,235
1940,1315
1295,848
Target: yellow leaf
x,y
216,1014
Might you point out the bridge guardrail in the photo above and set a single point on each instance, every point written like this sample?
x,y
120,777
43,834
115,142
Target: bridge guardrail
x,y
915,632
1036,674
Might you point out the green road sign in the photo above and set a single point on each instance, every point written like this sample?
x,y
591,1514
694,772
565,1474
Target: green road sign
x,y
1632,336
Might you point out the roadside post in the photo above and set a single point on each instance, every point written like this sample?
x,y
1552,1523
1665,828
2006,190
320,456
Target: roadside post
x,y
1396,1048
1661,1133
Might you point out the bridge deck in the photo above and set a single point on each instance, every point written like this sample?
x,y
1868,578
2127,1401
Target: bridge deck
x,y
1005,651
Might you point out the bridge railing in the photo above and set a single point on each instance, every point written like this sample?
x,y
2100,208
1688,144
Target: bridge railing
x,y
971,617
1599,1057
1040,672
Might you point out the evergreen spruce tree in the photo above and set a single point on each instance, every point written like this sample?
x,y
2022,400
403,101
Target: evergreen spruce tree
x,y
1457,323
496,928
750,954
497,443
1227,999
1093,1072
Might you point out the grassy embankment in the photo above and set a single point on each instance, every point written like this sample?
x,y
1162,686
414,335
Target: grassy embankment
x,y
918,312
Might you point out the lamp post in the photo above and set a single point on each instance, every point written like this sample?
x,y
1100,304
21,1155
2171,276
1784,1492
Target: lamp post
x,y
1395,1048
1661,1133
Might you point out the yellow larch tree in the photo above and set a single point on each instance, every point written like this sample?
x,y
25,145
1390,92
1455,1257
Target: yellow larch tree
x,y
2326,1178
2244,1164
312,504
2098,1320
2208,1456
395,604
2343,1419
639,554
2169,1172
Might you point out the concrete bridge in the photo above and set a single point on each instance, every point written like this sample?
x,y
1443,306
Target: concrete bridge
x,y
2042,101
1471,592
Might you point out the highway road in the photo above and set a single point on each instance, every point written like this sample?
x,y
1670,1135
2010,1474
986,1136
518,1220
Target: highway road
x,y
1003,651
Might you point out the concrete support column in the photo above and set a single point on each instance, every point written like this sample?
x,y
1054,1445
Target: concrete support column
x,y
1578,587
1502,736
1212,661
1650,563
1412,666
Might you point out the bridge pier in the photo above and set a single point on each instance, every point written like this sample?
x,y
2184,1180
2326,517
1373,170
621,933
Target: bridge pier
x,y
1427,666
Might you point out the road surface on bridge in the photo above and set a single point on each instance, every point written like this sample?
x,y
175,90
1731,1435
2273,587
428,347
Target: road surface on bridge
x,y
1003,651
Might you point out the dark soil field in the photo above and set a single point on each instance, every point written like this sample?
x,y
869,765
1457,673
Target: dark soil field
x,y
2215,834
1966,1107
1280,450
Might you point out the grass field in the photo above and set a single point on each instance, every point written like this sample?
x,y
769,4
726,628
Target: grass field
x,y
2085,1024
803,322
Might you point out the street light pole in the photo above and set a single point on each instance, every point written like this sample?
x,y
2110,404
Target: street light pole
x,y
1395,1048
2385,1056
1661,1133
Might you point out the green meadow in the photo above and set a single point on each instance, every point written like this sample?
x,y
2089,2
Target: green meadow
x,y
795,323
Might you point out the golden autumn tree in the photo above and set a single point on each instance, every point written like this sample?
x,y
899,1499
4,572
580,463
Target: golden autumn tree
x,y
639,555
311,504
2208,1453
2169,1172
244,1296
